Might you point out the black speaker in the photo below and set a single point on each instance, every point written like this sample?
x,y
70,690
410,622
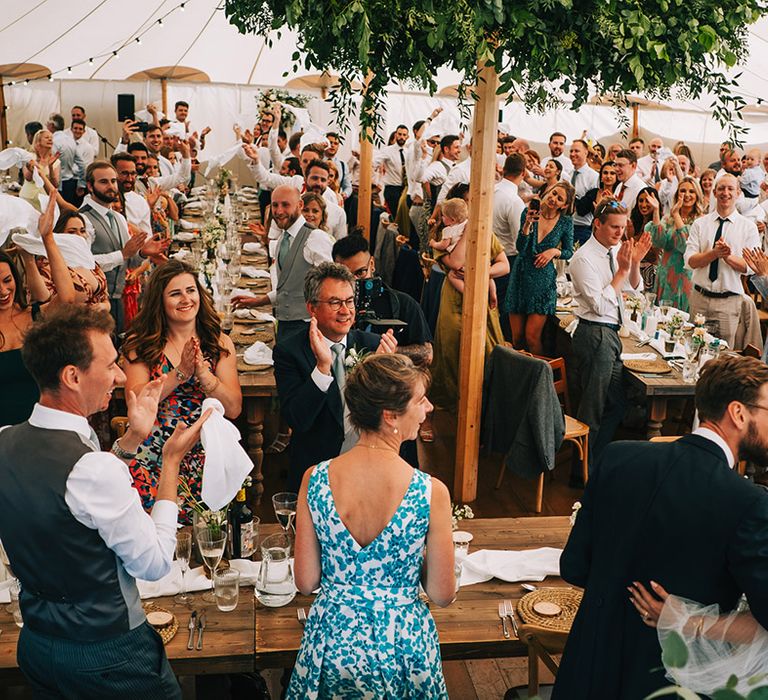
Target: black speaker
x,y
126,105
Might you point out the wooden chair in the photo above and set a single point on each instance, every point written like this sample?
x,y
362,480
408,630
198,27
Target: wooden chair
x,y
576,432
741,466
542,644
119,425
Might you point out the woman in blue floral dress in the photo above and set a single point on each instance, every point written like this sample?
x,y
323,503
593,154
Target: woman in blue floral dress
x,y
545,235
369,529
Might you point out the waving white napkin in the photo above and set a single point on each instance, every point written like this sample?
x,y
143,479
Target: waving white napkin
x,y
144,115
16,213
74,249
195,580
525,565
252,313
16,156
253,248
226,462
258,354
251,271
223,158
188,225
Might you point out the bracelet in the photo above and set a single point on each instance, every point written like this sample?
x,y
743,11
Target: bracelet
x,y
120,452
180,375
210,389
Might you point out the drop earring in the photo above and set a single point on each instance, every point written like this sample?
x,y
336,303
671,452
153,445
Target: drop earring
x,y
394,430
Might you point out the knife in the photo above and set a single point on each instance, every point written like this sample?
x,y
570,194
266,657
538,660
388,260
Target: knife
x,y
511,613
200,630
503,616
192,624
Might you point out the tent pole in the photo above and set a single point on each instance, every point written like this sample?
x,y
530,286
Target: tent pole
x,y
475,304
635,120
364,188
164,93
3,119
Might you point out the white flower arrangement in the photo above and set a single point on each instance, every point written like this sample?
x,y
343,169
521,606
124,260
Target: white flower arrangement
x,y
266,100
354,357
575,508
213,233
675,322
634,302
460,513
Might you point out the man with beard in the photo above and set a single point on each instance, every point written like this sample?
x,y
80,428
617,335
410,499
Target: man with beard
x,y
165,182
676,513
113,246
392,159
557,152
295,250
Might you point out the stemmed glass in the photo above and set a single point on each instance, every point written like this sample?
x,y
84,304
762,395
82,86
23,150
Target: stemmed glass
x,y
183,553
13,606
285,509
233,270
210,542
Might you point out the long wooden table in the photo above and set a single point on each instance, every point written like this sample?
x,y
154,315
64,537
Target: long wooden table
x,y
253,636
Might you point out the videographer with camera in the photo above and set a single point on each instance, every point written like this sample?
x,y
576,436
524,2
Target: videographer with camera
x,y
379,308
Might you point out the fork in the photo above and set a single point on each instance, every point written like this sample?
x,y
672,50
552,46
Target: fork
x,y
192,625
302,616
503,616
510,610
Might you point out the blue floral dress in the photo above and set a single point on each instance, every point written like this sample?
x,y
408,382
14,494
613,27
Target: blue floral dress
x,y
368,635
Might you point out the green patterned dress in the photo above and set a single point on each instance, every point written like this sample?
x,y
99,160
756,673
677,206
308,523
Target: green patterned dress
x,y
673,280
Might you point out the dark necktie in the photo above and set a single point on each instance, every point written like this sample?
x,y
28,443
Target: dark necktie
x,y
612,265
715,264
573,177
620,193
655,171
402,166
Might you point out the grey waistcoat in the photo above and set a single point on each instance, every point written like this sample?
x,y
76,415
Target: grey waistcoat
x,y
105,241
290,304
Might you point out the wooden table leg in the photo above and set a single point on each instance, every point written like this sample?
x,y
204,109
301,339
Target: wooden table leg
x,y
255,412
657,416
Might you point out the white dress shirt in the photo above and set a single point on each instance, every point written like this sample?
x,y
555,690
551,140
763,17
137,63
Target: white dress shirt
x,y
317,249
100,496
415,161
629,191
459,174
565,161
436,172
507,209
137,212
69,158
591,275
586,179
389,157
85,155
107,261
738,232
722,444
91,137
336,216
645,167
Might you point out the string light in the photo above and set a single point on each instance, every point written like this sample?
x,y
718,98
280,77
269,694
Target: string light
x,y
110,54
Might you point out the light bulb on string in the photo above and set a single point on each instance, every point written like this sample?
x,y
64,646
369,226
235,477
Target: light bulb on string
x,y
90,60
115,54
50,78
69,69
181,7
160,22
138,40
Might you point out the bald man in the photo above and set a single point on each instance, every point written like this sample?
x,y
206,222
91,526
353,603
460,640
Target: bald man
x,y
295,248
714,254
649,167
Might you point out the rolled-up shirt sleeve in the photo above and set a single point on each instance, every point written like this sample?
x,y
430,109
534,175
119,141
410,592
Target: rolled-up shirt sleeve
x,y
101,496
600,300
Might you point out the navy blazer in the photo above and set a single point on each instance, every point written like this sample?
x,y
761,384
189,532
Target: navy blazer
x,y
316,417
674,513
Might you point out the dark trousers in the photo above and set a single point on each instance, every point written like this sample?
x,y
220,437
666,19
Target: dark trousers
x,y
392,195
597,351
501,293
133,665
581,234
117,310
265,199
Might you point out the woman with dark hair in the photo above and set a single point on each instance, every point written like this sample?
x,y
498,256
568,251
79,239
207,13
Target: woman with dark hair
x,y
605,186
369,529
177,336
642,214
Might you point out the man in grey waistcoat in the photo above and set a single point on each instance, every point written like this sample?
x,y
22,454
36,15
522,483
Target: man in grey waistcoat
x,y
73,526
297,248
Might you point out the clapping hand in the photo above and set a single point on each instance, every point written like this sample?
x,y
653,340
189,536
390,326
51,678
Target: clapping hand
x,y
756,259
722,249
319,347
188,362
641,247
142,409
134,245
184,438
388,343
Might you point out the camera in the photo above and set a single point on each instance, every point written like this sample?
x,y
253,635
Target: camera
x,y
367,291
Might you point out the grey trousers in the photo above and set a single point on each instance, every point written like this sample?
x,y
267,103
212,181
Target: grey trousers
x,y
133,665
597,354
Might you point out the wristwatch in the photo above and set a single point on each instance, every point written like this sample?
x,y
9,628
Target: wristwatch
x,y
120,452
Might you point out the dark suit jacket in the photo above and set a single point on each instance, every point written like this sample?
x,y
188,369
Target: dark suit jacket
x,y
669,512
316,417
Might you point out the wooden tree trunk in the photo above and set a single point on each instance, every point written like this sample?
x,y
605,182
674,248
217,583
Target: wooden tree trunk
x,y
3,119
475,304
364,187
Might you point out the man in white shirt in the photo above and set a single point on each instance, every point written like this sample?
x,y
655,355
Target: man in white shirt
x,y
294,248
649,167
165,182
557,152
137,211
507,210
73,525
85,155
583,178
714,253
69,158
459,175
392,159
91,136
601,270
331,153
630,183
436,173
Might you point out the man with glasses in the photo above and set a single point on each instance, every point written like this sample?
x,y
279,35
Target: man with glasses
x,y
136,208
295,250
311,366
630,183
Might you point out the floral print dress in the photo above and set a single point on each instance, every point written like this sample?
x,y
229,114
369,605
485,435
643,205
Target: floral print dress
x,y
673,282
183,403
368,635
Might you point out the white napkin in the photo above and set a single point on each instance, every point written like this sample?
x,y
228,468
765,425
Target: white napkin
x,y
223,158
74,249
258,354
188,225
638,356
16,213
184,236
176,129
252,313
253,248
193,204
195,580
226,462
143,115
200,189
237,292
182,254
251,271
658,345
526,565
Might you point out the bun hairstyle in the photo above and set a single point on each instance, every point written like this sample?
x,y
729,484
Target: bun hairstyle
x,y
379,383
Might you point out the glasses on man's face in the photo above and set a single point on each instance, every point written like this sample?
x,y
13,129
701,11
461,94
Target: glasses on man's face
x,y
336,304
755,405
433,142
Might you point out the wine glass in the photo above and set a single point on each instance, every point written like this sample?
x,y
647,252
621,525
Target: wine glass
x,y
13,606
233,269
183,553
210,542
285,509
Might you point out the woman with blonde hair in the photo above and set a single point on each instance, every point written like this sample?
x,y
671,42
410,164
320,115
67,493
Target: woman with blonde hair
x,y
47,163
314,210
333,181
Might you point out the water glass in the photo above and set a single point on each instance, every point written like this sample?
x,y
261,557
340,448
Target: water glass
x,y
183,553
233,269
285,509
226,586
461,542
14,607
211,543
228,319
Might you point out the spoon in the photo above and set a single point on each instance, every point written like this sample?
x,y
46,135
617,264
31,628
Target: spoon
x,y
528,586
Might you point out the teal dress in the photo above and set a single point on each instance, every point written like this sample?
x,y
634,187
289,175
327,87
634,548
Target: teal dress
x,y
533,290
368,635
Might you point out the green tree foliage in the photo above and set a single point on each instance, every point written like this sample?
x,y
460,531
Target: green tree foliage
x,y
542,49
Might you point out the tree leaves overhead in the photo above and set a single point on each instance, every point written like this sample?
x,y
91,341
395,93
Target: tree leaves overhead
x,y
542,49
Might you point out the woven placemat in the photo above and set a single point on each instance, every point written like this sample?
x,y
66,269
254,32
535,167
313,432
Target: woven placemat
x,y
243,336
648,366
243,366
253,259
167,632
568,599
255,283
